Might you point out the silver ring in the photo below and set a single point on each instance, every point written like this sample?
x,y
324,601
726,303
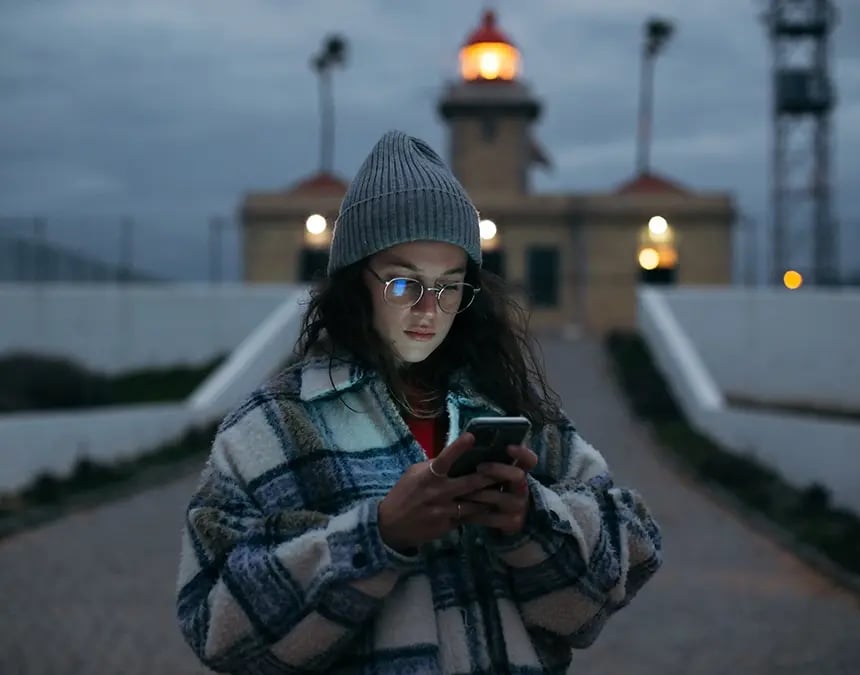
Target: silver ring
x,y
436,473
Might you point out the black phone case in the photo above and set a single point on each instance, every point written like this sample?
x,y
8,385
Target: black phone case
x,y
491,445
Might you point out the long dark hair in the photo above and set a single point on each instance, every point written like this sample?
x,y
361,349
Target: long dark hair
x,y
490,340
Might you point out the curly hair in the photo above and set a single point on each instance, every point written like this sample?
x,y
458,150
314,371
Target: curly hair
x,y
489,340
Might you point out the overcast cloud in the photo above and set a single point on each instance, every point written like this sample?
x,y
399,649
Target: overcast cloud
x,y
167,111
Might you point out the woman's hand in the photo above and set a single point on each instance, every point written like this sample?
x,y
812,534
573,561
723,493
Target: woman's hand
x,y
508,502
424,505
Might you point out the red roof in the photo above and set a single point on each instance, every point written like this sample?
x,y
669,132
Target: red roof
x,y
487,31
651,184
322,183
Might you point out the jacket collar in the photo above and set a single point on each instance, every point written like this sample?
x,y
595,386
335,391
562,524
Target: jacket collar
x,y
324,376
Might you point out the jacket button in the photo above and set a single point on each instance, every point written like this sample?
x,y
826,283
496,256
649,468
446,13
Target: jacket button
x,y
359,559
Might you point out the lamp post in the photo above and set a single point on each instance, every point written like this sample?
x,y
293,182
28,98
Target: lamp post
x,y
333,54
657,33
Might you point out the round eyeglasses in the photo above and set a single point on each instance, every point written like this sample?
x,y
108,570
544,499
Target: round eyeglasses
x,y
405,292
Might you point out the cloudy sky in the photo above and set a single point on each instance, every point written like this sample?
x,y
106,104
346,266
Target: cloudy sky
x,y
167,111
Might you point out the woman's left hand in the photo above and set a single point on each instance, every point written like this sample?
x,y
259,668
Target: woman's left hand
x,y
510,500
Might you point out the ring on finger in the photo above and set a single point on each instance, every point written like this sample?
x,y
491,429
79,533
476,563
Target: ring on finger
x,y
436,473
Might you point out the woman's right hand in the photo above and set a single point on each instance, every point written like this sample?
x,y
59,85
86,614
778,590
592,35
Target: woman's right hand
x,y
423,506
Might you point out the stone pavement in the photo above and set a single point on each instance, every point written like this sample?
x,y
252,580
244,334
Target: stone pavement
x,y
93,594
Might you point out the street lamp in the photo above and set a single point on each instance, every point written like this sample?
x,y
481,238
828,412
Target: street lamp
x,y
333,54
657,33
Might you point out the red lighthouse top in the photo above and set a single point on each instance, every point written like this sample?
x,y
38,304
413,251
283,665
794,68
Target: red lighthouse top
x,y
487,31
489,54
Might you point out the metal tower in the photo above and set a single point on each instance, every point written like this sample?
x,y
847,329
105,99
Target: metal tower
x,y
803,100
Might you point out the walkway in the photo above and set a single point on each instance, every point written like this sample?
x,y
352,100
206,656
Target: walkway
x,y
93,594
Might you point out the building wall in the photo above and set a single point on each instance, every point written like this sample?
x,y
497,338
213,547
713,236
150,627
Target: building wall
x,y
495,163
123,327
271,250
712,342
705,252
776,346
611,273
597,236
516,239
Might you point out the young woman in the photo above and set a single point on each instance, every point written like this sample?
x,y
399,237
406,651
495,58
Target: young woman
x,y
326,536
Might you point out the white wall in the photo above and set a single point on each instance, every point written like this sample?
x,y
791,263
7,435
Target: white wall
x,y
802,449
119,327
33,442
776,345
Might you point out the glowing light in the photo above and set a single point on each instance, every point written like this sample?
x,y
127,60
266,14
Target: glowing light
x,y
490,65
488,229
649,259
316,224
658,225
792,280
668,257
489,61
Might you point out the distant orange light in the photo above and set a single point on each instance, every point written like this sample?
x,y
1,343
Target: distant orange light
x,y
792,280
668,256
489,61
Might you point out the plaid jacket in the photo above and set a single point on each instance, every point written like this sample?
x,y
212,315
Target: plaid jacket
x,y
283,569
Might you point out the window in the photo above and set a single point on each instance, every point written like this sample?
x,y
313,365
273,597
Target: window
x,y
312,264
494,261
489,128
542,279
662,276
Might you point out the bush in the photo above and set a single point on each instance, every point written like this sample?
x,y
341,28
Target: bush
x,y
45,383
806,514
650,398
89,476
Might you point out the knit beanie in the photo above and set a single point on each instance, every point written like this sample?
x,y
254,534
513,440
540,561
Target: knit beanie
x,y
402,192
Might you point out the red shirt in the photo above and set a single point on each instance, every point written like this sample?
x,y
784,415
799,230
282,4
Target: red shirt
x,y
430,433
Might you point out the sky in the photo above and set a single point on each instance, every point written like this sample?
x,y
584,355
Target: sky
x,y
166,112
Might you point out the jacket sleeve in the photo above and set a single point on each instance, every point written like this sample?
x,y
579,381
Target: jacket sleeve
x,y
587,546
277,593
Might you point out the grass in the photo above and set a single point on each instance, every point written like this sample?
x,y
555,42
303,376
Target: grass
x,y
806,515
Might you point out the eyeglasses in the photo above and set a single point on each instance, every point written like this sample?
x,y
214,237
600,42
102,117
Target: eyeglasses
x,y
405,292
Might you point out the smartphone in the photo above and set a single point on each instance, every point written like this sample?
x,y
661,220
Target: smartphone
x,y
492,435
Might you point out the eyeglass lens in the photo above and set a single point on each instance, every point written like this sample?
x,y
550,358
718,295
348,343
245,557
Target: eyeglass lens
x,y
407,292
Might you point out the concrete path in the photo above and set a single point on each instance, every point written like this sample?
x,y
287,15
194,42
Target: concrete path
x,y
93,594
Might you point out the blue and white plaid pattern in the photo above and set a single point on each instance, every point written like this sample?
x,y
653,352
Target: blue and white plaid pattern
x,y
283,569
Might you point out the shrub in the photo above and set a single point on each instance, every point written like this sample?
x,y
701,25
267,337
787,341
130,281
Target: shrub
x,y
30,382
88,476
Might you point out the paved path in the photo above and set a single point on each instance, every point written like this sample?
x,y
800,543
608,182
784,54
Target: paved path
x,y
93,594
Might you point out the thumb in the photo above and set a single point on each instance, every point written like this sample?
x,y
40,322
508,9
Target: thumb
x,y
445,460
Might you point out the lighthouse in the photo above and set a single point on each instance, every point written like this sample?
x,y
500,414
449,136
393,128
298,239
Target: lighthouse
x,y
489,111
572,258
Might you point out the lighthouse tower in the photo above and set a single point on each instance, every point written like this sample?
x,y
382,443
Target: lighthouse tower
x,y
489,111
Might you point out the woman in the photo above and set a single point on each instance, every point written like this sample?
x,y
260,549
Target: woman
x,y
325,535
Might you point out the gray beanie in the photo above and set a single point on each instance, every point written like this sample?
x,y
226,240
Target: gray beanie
x,y
403,192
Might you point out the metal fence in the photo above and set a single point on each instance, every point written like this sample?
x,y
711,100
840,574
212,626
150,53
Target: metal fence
x,y
118,250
